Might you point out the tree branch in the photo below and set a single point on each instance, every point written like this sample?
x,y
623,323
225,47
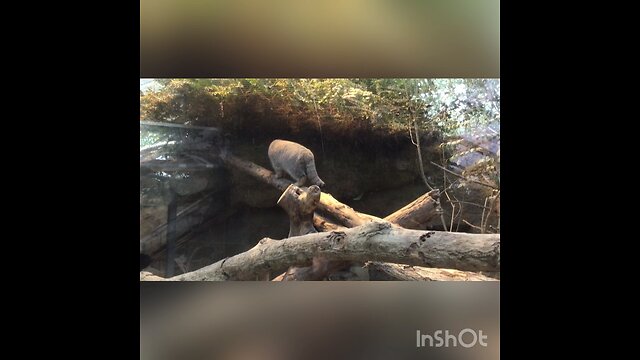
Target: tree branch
x,y
464,178
374,241
413,216
416,214
327,206
395,272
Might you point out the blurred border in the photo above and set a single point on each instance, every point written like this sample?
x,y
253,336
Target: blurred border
x,y
304,320
357,38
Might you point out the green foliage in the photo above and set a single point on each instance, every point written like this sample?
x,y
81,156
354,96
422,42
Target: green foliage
x,y
448,105
459,111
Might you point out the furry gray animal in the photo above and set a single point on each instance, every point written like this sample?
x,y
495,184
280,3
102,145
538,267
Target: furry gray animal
x,y
294,159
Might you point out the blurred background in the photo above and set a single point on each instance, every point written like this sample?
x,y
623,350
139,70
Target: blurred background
x,y
366,38
315,320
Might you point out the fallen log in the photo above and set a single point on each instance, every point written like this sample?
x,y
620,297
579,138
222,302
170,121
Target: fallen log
x,y
299,204
256,171
413,216
342,213
321,224
379,271
373,241
416,214
328,205
148,276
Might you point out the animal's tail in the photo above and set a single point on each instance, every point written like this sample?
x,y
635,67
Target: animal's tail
x,y
312,174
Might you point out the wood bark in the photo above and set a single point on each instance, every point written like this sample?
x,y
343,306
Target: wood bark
x,y
379,271
412,216
257,171
321,223
416,214
471,252
373,241
147,276
299,203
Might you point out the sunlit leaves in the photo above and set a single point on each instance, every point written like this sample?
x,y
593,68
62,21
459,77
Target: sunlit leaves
x,y
450,106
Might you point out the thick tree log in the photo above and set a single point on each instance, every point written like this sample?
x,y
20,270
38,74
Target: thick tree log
x,y
343,214
328,205
395,272
299,204
416,214
256,170
321,224
413,216
378,271
147,276
374,241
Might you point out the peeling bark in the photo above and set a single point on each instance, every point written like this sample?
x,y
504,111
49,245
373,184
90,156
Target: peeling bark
x,y
416,214
395,272
373,241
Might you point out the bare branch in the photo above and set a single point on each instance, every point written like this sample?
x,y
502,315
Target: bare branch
x,y
464,178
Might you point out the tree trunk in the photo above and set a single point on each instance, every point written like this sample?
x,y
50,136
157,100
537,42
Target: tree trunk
x,y
416,214
395,272
331,210
373,241
256,171
299,204
433,249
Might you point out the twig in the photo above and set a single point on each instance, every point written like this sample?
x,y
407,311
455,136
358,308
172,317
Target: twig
x,y
453,212
417,143
411,136
459,215
453,208
315,106
451,185
464,178
470,224
482,217
459,218
486,221
493,201
468,202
